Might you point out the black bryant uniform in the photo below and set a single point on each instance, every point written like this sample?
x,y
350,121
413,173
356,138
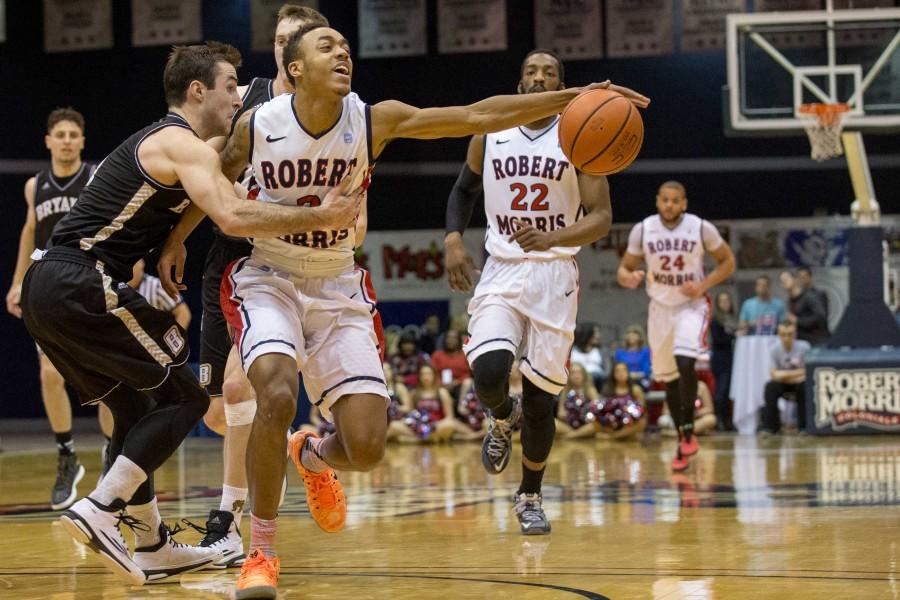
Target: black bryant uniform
x,y
54,197
215,343
96,329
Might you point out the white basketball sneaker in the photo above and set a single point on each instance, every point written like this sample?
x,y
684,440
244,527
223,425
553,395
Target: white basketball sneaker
x,y
222,535
97,527
169,558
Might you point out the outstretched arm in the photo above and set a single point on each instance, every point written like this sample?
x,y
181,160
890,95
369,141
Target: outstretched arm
x,y
393,119
26,247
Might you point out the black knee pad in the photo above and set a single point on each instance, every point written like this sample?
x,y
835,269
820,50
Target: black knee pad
x,y
538,422
537,405
490,371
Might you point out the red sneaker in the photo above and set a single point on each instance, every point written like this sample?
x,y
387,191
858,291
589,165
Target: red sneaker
x,y
680,462
688,447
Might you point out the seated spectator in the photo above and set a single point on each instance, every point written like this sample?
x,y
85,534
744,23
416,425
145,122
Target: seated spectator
x,y
452,366
398,393
620,411
408,360
704,413
806,311
586,351
636,355
788,377
761,314
428,336
429,416
575,400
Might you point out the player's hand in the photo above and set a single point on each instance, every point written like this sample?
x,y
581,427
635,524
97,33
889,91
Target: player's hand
x,y
460,266
692,290
529,238
12,301
636,98
341,206
172,258
633,280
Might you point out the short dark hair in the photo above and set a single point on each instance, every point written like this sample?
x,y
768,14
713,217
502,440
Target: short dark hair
x,y
550,53
806,270
195,63
675,185
301,13
292,47
66,113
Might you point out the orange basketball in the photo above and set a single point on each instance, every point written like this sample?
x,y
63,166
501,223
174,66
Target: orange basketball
x,y
601,132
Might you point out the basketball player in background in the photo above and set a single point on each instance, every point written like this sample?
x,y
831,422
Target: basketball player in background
x,y
107,341
299,302
49,196
673,243
527,299
232,400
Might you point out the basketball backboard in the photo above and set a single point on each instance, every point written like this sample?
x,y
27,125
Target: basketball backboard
x,y
778,61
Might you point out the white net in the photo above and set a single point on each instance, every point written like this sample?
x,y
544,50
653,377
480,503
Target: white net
x,y
824,125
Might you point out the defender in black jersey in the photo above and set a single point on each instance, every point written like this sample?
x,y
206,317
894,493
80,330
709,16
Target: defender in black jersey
x,y
106,340
49,196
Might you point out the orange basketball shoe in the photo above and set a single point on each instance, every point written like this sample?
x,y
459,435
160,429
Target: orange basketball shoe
x,y
324,493
259,577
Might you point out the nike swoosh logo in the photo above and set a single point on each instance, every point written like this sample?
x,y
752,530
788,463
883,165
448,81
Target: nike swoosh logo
x,y
569,293
270,139
502,141
353,296
114,543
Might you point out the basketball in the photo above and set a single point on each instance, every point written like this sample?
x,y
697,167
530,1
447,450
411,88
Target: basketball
x,y
601,132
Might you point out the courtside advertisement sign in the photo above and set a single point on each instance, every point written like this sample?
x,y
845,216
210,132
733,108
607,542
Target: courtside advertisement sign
x,y
850,398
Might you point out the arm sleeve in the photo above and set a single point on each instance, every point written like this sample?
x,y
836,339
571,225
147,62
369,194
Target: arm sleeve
x,y
462,199
635,239
712,239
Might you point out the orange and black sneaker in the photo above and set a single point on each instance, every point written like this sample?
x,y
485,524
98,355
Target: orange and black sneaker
x,y
259,577
324,493
688,444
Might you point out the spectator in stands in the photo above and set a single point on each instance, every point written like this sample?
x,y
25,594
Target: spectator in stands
x,y
452,366
722,333
761,314
428,338
636,355
805,310
430,415
586,351
408,360
805,278
788,377
575,401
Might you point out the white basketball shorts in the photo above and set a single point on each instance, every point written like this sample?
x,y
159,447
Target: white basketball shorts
x,y
676,330
527,306
329,325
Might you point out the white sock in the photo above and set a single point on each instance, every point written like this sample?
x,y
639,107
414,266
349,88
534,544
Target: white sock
x,y
310,457
148,514
121,481
233,499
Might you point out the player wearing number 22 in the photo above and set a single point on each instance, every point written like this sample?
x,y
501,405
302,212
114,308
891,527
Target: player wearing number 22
x,y
673,243
540,211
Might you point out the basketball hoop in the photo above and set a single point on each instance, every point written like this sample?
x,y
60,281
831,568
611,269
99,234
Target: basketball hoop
x,y
824,125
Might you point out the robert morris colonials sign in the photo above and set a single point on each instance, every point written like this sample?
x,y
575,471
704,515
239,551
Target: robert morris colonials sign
x,y
847,398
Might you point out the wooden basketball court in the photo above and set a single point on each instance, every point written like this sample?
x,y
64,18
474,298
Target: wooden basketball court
x,y
784,517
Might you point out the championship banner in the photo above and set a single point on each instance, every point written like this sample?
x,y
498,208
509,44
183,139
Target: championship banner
x,y
639,28
71,25
571,28
392,28
471,26
165,22
264,18
703,23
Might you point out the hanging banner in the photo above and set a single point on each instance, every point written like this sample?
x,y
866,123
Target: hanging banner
x,y
703,23
639,28
164,22
392,28
264,19
792,39
471,26
571,28
77,25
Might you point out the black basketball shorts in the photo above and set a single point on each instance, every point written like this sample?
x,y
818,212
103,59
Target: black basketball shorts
x,y
215,343
97,331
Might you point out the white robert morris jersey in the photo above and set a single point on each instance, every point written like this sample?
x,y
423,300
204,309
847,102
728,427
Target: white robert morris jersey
x,y
526,176
673,256
294,168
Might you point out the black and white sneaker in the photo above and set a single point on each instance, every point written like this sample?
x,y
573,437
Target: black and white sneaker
x,y
97,527
530,513
68,473
168,558
221,534
497,446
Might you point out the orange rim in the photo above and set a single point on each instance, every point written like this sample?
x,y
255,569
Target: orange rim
x,y
826,113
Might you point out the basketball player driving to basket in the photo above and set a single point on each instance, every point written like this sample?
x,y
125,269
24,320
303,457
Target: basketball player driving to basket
x,y
299,302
